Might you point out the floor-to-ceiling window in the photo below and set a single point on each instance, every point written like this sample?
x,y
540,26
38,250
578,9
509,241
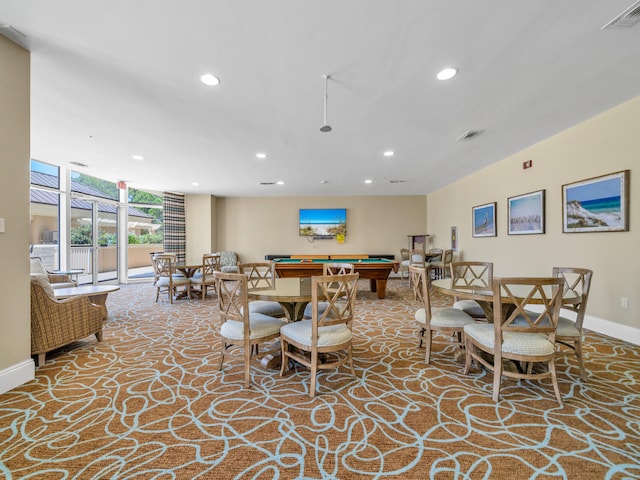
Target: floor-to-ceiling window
x,y
94,227
75,225
45,213
144,231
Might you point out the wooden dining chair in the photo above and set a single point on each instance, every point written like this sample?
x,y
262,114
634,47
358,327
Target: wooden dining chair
x,y
337,268
441,268
417,258
449,321
240,327
261,274
166,277
324,341
331,268
404,262
474,276
577,282
518,334
205,277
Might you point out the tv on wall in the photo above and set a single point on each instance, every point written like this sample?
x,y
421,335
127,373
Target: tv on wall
x,y
323,222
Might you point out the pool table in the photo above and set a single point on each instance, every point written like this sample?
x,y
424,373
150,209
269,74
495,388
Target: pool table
x,y
376,270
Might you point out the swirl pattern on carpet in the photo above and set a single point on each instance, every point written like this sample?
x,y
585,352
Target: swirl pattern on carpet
x,y
150,402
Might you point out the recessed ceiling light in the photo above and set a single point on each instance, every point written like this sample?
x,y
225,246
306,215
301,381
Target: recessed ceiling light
x,y
137,157
261,155
368,181
280,182
209,79
389,153
195,184
324,181
447,73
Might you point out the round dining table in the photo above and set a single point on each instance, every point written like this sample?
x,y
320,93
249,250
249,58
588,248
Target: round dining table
x,y
293,293
484,295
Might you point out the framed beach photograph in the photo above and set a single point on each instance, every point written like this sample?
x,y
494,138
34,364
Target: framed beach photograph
x,y
526,214
484,220
599,204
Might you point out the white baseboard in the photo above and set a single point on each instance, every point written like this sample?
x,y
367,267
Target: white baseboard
x,y
612,329
17,375
600,325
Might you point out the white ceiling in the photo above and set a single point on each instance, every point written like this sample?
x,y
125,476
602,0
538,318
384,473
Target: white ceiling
x,y
111,79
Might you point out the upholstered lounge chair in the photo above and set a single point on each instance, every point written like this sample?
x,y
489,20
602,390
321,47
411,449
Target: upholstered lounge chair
x,y
56,323
56,280
228,262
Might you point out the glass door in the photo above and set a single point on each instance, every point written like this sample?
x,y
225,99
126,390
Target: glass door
x,y
94,240
107,249
81,239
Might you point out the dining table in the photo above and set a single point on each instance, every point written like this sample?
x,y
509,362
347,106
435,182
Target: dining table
x,y
188,269
293,293
483,294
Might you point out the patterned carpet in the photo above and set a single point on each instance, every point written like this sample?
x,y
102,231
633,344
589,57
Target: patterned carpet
x,y
149,402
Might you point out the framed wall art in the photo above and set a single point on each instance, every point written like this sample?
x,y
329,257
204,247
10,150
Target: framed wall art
x,y
599,204
484,220
526,214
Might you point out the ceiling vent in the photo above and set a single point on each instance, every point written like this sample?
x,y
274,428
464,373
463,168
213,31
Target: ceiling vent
x,y
626,19
396,181
469,134
267,183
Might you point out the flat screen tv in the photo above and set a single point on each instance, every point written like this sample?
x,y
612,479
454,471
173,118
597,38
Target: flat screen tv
x,y
323,222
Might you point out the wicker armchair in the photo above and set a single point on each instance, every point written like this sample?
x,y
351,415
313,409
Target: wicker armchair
x,y
56,280
56,323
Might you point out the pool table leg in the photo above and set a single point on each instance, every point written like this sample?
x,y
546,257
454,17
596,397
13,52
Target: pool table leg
x,y
379,287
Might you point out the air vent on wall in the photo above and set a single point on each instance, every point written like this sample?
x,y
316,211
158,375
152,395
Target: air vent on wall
x,y
626,19
469,134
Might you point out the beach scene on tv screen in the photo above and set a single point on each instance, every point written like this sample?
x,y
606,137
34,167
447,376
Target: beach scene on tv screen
x,y
329,221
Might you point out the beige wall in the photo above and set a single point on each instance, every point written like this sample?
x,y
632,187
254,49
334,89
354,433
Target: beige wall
x,y
16,365
200,211
255,227
604,144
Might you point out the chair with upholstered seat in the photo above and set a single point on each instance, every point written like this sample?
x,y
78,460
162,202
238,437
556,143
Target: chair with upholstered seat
x,y
167,279
334,268
577,282
56,280
238,326
205,278
228,262
325,341
518,334
417,258
56,323
404,262
474,276
441,268
449,321
261,274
